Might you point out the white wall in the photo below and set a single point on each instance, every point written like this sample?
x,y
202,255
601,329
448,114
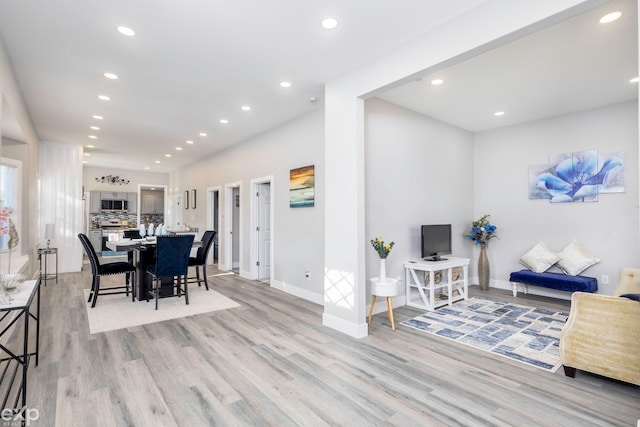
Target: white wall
x,y
417,171
607,228
298,234
90,173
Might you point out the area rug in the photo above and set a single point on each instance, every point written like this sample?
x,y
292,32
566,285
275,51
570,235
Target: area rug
x,y
118,311
525,334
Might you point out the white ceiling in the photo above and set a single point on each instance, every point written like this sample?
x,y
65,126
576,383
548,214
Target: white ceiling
x,y
194,62
191,63
577,64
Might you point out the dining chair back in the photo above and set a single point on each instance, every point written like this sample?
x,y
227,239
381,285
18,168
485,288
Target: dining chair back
x,y
200,260
172,260
98,270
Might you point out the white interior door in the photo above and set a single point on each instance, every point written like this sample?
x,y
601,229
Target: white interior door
x,y
264,231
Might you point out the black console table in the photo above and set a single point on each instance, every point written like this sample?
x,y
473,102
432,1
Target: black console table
x,y
14,362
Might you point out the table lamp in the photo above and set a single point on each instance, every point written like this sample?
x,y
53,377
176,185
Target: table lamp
x,y
49,233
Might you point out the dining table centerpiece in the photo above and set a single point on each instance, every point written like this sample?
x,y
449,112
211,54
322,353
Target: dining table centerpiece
x,y
383,249
481,232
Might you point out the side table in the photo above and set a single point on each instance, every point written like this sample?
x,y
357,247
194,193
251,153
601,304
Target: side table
x,y
389,288
44,274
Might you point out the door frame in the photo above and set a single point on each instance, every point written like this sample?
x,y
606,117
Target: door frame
x,y
210,206
139,207
228,227
255,205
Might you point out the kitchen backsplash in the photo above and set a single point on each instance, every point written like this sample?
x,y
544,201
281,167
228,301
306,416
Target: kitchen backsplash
x,y
154,219
96,218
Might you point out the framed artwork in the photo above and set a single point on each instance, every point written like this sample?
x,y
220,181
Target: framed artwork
x,y
193,199
302,187
186,199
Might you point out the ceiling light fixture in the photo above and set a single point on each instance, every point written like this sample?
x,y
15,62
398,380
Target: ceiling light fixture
x,y
437,82
329,23
110,76
93,137
156,161
87,154
179,148
90,146
498,113
285,84
203,134
97,117
85,162
104,97
189,142
125,31
224,121
245,108
146,167
634,80
167,155
94,127
610,17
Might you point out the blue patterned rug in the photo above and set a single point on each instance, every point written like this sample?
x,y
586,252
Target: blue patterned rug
x,y
526,334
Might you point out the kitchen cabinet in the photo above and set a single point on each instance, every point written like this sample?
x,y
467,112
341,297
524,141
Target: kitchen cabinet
x,y
114,195
152,201
94,201
133,202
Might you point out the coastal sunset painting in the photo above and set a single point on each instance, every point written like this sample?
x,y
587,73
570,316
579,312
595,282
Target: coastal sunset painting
x,y
302,187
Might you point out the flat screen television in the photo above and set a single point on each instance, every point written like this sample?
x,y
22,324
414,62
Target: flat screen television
x,y
436,241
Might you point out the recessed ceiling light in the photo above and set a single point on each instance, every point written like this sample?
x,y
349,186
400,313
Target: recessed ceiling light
x,y
85,162
87,154
245,108
125,31
93,137
94,127
189,142
90,146
329,23
97,117
634,80
179,148
224,121
167,155
437,82
146,167
499,113
203,134
110,76
610,17
285,84
156,161
104,97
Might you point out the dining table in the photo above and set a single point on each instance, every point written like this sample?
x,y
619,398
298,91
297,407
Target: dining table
x,y
144,255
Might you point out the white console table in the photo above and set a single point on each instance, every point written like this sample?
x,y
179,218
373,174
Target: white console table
x,y
422,293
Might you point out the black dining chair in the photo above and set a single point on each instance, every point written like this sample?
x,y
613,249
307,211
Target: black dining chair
x,y
200,260
172,260
98,270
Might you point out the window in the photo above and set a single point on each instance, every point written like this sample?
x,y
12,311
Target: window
x,y
10,172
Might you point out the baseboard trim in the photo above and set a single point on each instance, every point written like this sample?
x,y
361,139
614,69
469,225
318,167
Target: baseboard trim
x,y
298,292
352,329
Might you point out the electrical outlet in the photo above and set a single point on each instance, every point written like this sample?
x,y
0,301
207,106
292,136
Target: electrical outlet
x,y
605,279
307,274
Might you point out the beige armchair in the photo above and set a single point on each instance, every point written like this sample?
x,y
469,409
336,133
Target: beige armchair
x,y
602,334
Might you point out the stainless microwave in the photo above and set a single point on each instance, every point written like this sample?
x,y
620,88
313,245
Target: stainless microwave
x,y
114,205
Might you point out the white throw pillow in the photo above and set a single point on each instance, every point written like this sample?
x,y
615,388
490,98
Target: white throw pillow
x,y
574,260
539,258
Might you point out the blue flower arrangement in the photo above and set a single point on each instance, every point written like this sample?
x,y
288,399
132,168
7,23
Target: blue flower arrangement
x,y
482,231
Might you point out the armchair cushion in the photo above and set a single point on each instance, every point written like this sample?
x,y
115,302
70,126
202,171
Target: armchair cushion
x,y
635,297
602,336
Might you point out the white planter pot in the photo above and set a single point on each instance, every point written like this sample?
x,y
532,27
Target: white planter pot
x,y
390,288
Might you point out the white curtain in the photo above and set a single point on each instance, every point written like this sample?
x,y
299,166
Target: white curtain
x,y
60,196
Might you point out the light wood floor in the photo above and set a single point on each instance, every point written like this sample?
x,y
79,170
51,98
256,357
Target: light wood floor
x,y
272,363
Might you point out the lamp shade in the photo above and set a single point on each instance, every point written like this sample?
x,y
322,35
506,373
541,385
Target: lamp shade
x,y
49,231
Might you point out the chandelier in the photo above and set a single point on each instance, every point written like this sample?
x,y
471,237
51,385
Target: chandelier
x,y
113,180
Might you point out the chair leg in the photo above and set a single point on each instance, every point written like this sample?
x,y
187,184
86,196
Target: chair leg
x,y
156,289
186,289
198,274
96,291
204,273
133,286
128,276
93,286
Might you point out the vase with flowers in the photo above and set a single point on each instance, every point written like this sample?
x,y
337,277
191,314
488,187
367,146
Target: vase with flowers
x,y
7,228
383,250
481,232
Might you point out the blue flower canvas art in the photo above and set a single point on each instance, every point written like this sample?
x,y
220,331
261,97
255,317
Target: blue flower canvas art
x,y
577,177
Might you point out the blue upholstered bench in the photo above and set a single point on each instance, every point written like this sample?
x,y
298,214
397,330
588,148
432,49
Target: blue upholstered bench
x,y
561,282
